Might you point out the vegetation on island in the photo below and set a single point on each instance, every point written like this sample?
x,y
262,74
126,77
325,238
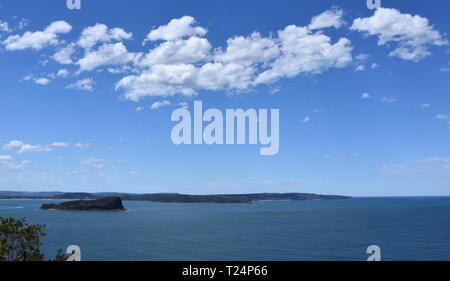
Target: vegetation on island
x,y
112,203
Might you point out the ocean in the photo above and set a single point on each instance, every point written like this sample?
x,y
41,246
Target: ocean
x,y
414,228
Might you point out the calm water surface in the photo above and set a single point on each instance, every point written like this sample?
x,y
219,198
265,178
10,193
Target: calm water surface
x,y
404,228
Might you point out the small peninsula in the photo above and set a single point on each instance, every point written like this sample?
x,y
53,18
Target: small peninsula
x,y
112,203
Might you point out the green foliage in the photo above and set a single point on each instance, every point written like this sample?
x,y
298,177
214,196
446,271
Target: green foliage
x,y
20,241
60,256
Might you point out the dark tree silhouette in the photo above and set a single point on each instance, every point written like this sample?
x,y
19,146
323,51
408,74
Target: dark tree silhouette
x,y
20,241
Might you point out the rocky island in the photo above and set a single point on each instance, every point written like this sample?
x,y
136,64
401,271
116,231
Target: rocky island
x,y
112,203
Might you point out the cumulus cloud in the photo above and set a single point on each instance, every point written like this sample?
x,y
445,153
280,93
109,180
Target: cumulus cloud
x,y
86,84
92,35
413,35
159,104
249,50
305,52
63,55
186,63
107,54
176,29
192,50
330,18
39,39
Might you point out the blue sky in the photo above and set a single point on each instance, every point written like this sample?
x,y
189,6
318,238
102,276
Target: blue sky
x,y
86,95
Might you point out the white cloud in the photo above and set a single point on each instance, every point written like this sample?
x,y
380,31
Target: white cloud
x,y
14,166
21,147
92,35
186,63
413,34
134,173
159,80
176,29
4,27
249,50
425,105
192,50
86,84
140,108
63,55
388,99
82,145
42,81
365,96
185,66
60,144
374,65
39,39
33,148
159,104
13,144
5,158
362,57
442,116
107,54
96,163
63,73
23,23
306,119
330,18
304,52
360,68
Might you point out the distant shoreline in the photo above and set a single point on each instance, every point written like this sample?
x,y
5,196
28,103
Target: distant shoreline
x,y
37,199
170,197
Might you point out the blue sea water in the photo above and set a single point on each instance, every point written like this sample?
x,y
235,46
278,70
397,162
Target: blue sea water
x,y
404,229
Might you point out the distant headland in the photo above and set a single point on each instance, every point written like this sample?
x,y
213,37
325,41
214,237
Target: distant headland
x,y
170,197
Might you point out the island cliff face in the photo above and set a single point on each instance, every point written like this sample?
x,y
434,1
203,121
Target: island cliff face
x,y
113,203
